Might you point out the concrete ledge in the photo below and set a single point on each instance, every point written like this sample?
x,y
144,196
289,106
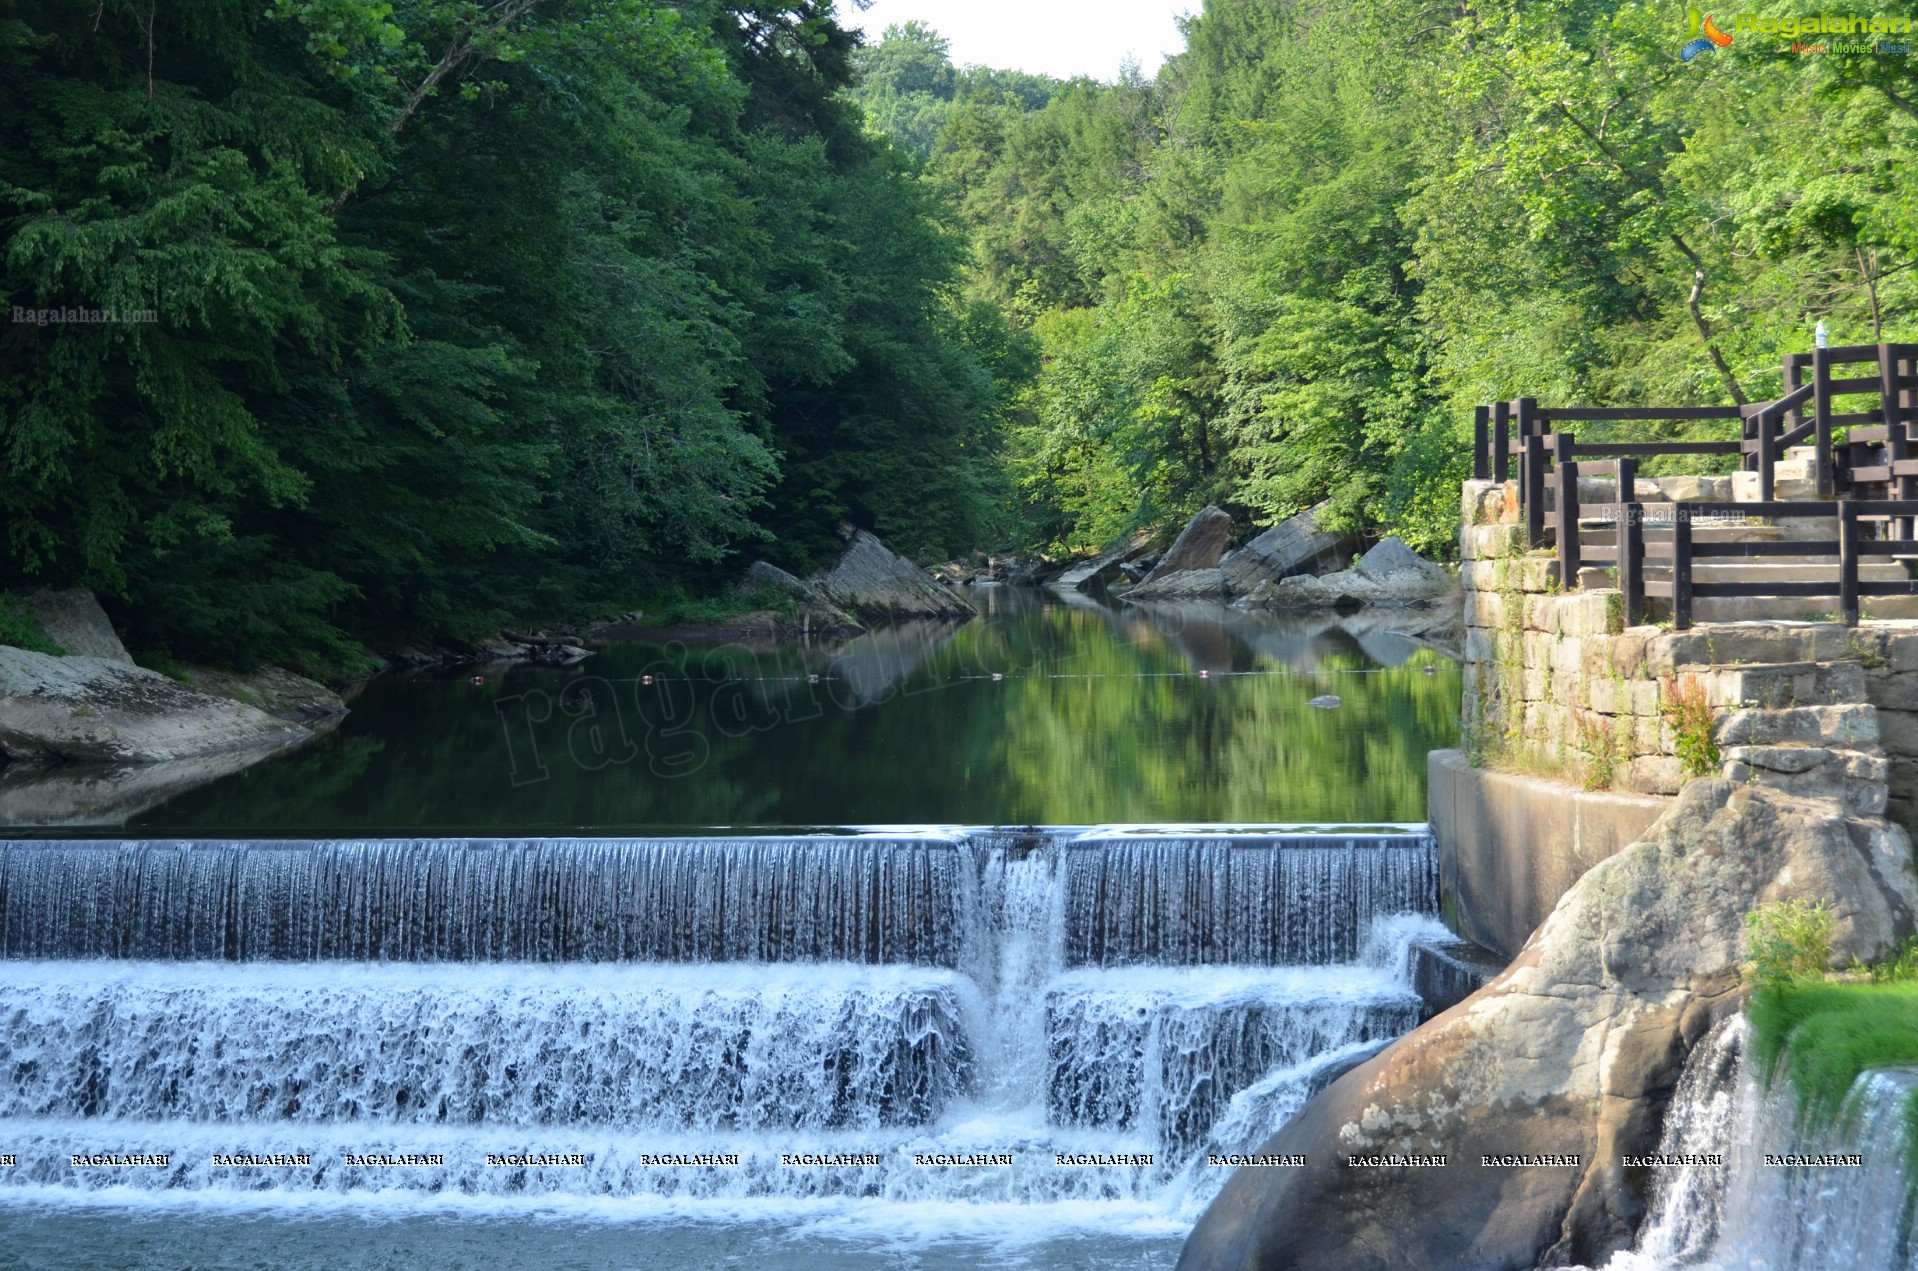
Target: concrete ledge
x,y
1510,845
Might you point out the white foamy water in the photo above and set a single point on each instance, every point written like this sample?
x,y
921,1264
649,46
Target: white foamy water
x,y
956,1040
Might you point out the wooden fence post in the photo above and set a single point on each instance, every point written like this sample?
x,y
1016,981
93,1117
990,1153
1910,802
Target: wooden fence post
x,y
1501,442
1631,561
1628,480
1681,568
1532,490
1848,562
1897,437
1481,439
1821,418
1566,514
1767,458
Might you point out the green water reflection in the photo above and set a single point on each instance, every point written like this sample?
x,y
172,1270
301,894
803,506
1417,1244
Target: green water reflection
x,y
1101,715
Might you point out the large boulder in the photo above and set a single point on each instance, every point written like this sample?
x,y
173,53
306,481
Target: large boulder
x,y
1572,1052
812,612
1390,574
871,581
74,620
94,710
1190,568
1104,568
278,692
1187,584
1295,545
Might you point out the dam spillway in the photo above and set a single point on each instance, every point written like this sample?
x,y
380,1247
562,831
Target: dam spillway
x,y
984,1018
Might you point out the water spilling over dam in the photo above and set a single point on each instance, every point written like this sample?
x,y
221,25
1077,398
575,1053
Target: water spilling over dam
x,y
1058,1024
1780,1194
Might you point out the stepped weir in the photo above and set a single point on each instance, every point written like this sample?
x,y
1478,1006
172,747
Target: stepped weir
x,y
1042,1017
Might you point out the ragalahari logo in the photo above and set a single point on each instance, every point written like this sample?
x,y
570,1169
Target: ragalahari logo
x,y
1701,35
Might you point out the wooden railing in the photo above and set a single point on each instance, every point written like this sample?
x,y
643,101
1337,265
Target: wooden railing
x,y
1875,456
1631,553
1524,430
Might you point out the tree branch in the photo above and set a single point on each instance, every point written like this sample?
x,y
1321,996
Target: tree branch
x,y
464,51
1704,327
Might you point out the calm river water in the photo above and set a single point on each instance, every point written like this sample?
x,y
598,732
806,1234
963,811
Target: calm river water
x,y
1040,712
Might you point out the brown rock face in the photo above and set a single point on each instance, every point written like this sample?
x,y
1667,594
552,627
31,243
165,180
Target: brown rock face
x,y
1294,546
1573,1051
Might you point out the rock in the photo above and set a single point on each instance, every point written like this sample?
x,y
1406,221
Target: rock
x,y
1444,971
1573,1050
1326,701
279,693
1692,489
812,612
1103,568
1294,546
1390,574
74,620
1020,571
1187,584
1200,545
871,582
101,711
497,649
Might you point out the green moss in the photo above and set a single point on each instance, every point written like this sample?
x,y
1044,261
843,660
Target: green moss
x,y
19,628
163,662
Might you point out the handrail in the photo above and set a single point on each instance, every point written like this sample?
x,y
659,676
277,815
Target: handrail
x,y
1503,427
1522,430
1632,552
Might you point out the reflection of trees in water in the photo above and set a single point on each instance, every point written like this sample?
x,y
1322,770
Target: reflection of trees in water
x,y
1099,717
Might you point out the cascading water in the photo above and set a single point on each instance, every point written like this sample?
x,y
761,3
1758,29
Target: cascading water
x,y
1054,1026
1783,1196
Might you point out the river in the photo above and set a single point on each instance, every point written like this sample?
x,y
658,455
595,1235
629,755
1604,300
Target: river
x,y
945,947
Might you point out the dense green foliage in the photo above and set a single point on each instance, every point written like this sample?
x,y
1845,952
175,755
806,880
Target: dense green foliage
x,y
430,314
1286,269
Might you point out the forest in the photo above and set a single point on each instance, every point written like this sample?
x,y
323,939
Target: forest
x,y
338,323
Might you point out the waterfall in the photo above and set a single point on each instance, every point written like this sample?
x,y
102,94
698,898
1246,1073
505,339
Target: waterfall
x,y
1230,898
859,899
1786,1197
1063,1017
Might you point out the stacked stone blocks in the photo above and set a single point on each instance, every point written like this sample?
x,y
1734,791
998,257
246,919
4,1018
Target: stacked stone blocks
x,y
1555,682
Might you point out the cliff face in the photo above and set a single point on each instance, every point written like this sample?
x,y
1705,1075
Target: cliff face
x,y
1572,1052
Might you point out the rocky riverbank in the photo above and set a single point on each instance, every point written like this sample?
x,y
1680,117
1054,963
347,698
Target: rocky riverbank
x,y
1293,565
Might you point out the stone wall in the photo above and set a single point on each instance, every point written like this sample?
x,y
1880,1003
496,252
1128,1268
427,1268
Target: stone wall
x,y
1555,683
1510,845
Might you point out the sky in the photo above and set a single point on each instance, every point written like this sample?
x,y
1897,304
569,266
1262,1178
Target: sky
x,y
1049,37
